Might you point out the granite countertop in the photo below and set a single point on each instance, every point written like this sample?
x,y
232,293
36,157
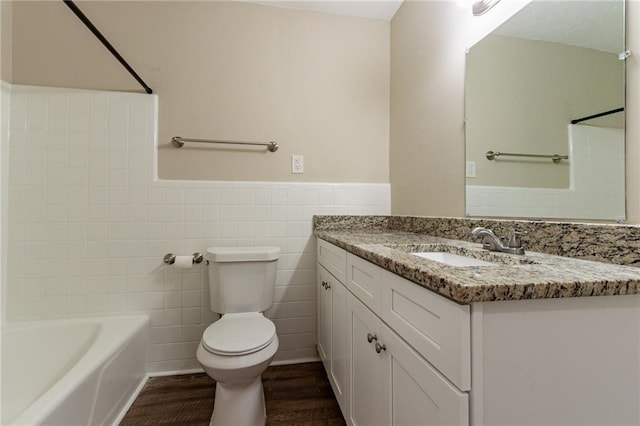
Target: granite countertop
x,y
513,277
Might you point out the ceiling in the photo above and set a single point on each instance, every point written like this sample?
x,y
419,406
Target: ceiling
x,y
593,24
375,9
596,24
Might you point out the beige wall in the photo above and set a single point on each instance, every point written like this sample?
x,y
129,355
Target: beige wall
x,y
520,97
317,84
427,106
6,9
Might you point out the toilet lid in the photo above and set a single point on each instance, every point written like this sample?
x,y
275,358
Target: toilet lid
x,y
238,334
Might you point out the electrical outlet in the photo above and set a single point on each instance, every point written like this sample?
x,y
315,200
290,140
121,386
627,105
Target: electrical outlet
x,y
297,164
471,169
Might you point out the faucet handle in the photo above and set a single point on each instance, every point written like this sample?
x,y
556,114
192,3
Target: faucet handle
x,y
514,241
477,230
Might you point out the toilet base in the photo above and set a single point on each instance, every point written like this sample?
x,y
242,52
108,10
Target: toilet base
x,y
239,404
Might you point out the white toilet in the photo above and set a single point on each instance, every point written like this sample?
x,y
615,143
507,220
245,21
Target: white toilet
x,y
237,348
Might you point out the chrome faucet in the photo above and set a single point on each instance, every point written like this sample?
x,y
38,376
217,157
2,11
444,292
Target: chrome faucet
x,y
490,241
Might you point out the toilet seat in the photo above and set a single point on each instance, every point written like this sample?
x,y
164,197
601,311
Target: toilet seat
x,y
239,334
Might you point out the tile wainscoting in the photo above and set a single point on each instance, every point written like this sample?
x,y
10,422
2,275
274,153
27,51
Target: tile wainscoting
x,y
88,225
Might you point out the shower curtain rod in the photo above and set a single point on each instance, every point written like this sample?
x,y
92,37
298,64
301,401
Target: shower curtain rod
x,y
75,9
602,114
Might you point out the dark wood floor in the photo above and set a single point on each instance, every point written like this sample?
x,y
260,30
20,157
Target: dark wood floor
x,y
297,394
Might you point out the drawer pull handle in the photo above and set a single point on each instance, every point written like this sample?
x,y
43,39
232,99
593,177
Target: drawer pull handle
x,y
380,348
371,337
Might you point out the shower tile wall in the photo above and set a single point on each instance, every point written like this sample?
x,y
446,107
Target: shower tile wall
x,y
88,225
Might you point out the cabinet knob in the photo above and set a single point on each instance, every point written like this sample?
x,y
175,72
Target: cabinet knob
x,y
380,348
371,337
324,284
328,286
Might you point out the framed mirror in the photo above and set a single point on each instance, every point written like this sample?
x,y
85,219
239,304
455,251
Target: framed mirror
x,y
544,106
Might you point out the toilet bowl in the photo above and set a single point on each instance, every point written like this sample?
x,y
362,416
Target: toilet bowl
x,y
236,349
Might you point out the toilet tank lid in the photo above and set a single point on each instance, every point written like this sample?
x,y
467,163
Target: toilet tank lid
x,y
242,254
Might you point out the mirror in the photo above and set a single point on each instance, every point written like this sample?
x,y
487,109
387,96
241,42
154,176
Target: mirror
x,y
552,63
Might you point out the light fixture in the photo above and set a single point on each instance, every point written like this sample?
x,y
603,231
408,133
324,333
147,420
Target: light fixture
x,y
481,7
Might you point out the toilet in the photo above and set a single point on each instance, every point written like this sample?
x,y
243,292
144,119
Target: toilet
x,y
236,349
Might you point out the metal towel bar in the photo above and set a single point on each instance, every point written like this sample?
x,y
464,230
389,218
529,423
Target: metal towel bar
x,y
555,157
179,141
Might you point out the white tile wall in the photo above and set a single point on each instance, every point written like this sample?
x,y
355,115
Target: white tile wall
x,y
597,189
88,224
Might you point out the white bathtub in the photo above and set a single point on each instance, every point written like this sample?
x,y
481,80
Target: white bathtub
x,y
71,372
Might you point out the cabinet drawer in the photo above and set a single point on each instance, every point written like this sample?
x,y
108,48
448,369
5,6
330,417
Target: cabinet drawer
x,y
333,258
437,328
363,280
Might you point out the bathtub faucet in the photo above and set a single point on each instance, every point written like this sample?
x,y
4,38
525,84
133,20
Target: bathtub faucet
x,y
491,242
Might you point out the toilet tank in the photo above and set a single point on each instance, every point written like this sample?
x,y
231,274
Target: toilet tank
x,y
242,279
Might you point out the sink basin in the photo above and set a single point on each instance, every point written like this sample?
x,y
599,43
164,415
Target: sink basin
x,y
453,259
454,255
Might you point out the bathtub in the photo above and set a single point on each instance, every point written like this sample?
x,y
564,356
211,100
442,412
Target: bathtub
x,y
72,372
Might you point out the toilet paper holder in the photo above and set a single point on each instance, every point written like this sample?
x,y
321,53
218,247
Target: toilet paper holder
x,y
170,258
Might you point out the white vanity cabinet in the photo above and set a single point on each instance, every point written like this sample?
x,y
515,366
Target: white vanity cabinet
x,y
399,354
324,314
377,374
365,367
391,383
332,312
565,361
437,328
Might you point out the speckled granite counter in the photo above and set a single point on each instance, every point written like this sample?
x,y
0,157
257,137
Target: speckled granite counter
x,y
512,277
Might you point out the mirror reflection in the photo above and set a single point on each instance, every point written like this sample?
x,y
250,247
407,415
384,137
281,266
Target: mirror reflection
x,y
551,64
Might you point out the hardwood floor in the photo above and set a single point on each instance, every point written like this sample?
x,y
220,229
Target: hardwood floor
x,y
298,394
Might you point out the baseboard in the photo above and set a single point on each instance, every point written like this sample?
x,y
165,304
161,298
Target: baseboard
x,y
131,400
175,372
200,370
296,361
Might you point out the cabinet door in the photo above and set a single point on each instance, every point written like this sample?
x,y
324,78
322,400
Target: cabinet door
x,y
365,366
324,317
415,393
338,372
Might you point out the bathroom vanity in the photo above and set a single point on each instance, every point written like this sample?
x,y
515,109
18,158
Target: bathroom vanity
x,y
532,339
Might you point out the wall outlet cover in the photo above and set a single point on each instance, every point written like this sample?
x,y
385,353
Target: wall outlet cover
x,y
471,169
297,164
